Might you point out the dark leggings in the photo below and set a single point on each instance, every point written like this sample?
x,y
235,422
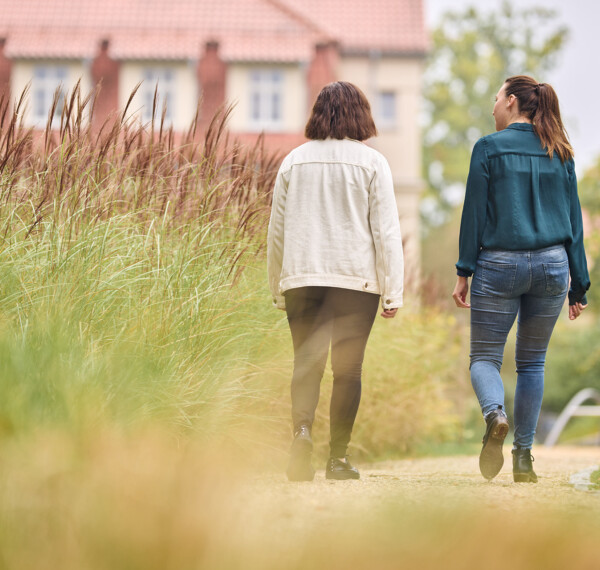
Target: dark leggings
x,y
317,317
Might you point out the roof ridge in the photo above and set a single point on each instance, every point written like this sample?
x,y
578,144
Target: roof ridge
x,y
299,16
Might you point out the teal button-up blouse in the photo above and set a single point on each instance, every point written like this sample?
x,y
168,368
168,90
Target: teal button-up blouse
x,y
518,198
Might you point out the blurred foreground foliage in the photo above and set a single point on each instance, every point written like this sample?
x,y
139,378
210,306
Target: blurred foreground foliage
x,y
103,501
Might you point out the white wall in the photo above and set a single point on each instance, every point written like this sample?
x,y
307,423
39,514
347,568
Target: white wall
x,y
401,145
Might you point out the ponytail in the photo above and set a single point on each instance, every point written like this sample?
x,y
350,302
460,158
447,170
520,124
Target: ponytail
x,y
539,103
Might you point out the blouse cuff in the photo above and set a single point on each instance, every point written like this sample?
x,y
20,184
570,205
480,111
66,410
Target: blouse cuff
x,y
578,296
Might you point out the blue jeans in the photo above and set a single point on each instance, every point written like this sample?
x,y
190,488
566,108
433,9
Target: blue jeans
x,y
532,284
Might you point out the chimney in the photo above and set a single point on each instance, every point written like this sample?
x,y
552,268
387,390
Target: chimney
x,y
105,72
322,69
5,71
212,72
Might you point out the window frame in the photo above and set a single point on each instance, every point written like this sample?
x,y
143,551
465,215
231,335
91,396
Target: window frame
x,y
266,99
47,78
162,80
386,121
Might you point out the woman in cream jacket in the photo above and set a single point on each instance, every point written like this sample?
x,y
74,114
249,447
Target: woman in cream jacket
x,y
334,250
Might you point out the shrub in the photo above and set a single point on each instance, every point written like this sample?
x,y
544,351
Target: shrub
x,y
573,362
414,375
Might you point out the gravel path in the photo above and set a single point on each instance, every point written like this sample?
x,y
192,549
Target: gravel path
x,y
421,514
448,480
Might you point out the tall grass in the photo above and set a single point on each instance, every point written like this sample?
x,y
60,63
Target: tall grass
x,y
118,251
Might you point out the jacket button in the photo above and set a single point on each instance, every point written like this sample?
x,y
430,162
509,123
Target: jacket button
x,y
366,285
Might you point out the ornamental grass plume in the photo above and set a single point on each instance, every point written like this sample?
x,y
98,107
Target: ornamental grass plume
x,y
127,166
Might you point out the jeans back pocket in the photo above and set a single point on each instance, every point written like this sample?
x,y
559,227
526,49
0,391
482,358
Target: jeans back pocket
x,y
496,278
557,277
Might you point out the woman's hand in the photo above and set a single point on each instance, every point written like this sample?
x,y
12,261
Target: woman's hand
x,y
389,313
460,293
575,310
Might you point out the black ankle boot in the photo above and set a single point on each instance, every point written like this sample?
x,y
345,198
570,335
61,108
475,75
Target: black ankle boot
x,y
491,459
340,470
300,467
522,466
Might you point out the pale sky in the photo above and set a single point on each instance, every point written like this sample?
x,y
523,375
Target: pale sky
x,y
575,78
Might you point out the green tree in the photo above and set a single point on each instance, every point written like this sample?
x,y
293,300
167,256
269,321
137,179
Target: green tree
x,y
473,52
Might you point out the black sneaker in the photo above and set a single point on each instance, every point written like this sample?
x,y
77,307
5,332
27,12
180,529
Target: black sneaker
x,y
522,466
340,470
299,466
491,459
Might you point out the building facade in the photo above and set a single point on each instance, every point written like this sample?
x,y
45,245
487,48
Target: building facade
x,y
268,57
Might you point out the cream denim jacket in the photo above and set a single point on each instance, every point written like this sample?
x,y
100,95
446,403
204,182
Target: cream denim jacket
x,y
334,222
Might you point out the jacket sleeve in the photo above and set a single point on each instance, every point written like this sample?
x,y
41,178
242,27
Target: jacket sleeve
x,y
275,238
474,211
580,278
385,228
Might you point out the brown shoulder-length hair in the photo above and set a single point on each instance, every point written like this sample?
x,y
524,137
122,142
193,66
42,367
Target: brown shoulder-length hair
x,y
539,103
341,111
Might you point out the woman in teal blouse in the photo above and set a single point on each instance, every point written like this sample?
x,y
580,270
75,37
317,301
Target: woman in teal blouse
x,y
521,236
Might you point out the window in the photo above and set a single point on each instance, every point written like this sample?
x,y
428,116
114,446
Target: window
x,y
159,80
266,100
386,110
46,80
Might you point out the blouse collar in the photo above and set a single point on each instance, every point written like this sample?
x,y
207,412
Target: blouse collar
x,y
521,126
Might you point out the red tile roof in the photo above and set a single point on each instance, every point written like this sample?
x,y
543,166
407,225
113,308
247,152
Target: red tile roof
x,y
247,30
387,25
